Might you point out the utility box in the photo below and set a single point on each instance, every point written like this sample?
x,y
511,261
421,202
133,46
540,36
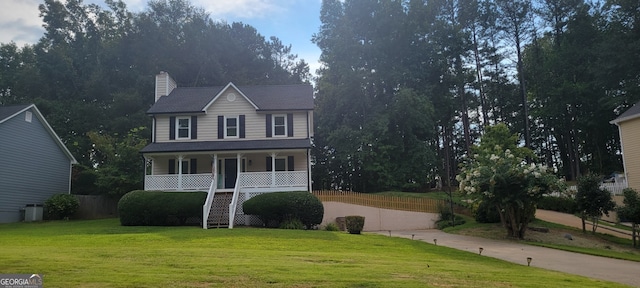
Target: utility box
x,y
33,212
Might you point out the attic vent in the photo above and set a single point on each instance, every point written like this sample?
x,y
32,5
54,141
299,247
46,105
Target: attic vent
x,y
231,97
27,116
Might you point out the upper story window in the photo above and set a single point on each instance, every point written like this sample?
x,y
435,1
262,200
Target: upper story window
x,y
183,127
231,127
279,125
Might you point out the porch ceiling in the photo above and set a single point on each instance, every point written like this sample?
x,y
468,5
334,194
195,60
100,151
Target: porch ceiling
x,y
201,146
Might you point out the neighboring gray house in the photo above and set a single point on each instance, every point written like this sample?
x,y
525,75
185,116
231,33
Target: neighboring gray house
x,y
34,163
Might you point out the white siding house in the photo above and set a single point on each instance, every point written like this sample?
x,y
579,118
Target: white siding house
x,y
232,141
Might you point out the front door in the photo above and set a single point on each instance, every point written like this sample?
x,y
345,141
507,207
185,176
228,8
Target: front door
x,y
230,172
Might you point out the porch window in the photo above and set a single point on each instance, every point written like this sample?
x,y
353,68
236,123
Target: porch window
x,y
281,164
183,127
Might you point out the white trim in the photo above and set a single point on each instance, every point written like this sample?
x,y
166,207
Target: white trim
x,y
177,127
230,85
237,117
273,125
624,163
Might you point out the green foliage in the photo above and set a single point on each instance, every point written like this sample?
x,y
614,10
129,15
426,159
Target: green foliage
x,y
446,216
500,178
631,210
486,213
277,207
294,223
157,208
354,224
591,200
332,227
559,204
61,206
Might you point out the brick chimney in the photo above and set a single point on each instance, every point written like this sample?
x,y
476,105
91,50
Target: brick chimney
x,y
164,85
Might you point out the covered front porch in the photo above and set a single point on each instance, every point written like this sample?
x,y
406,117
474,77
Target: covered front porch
x,y
279,170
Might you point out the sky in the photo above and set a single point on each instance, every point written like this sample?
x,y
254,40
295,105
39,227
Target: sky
x,y
292,21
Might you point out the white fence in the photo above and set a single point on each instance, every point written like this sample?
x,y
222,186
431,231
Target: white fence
x,y
614,188
203,181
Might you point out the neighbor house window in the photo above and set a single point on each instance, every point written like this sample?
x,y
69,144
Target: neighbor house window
x,y
183,127
279,125
231,127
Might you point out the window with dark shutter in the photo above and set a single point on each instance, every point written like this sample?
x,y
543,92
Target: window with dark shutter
x,y
220,127
289,125
194,166
194,127
241,123
172,166
172,128
290,163
268,120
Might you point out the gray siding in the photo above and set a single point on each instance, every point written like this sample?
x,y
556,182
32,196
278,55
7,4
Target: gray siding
x,y
32,166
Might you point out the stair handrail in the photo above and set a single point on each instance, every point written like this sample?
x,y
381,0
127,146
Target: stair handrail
x,y
234,201
206,208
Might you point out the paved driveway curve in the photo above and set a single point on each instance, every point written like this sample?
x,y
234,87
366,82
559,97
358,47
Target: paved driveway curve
x,y
620,271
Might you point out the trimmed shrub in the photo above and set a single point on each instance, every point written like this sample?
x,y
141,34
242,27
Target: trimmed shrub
x,y
354,224
274,208
559,204
157,208
441,224
294,224
486,213
332,227
61,206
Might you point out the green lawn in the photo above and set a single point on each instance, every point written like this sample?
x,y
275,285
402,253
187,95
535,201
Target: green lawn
x,y
100,253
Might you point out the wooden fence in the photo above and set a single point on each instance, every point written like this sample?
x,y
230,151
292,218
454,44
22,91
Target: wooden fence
x,y
96,207
426,205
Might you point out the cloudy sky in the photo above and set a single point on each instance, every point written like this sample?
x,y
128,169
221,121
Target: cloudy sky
x,y
292,21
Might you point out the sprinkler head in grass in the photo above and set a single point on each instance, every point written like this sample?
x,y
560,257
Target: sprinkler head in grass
x,y
529,261
480,250
435,241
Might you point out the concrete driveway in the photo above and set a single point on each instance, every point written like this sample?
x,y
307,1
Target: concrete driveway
x,y
620,271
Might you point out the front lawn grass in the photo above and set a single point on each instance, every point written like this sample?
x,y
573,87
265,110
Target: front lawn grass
x,y
101,253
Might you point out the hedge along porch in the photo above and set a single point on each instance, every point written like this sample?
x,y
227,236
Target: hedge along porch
x,y
234,142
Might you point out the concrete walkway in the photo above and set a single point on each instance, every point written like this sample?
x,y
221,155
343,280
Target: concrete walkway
x,y
620,271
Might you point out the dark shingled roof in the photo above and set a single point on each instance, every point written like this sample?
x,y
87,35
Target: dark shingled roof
x,y
631,113
269,144
6,111
265,97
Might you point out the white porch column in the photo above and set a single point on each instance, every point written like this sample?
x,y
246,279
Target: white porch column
x,y
239,168
180,158
310,187
214,169
273,169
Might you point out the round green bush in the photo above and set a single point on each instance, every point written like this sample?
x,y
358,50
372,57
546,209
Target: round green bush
x,y
354,224
559,204
61,206
157,208
277,207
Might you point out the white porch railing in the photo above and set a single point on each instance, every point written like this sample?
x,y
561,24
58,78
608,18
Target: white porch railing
x,y
206,208
177,182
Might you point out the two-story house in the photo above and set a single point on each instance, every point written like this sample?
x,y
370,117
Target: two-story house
x,y
233,141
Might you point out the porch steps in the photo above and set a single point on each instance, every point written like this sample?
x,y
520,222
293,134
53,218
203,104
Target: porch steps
x,y
219,215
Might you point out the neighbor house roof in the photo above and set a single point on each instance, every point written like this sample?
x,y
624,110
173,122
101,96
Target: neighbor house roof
x,y
8,112
263,97
269,144
631,113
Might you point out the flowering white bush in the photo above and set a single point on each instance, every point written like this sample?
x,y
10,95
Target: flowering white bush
x,y
508,183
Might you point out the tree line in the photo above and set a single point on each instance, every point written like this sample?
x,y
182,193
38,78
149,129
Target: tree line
x,y
92,76
407,87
